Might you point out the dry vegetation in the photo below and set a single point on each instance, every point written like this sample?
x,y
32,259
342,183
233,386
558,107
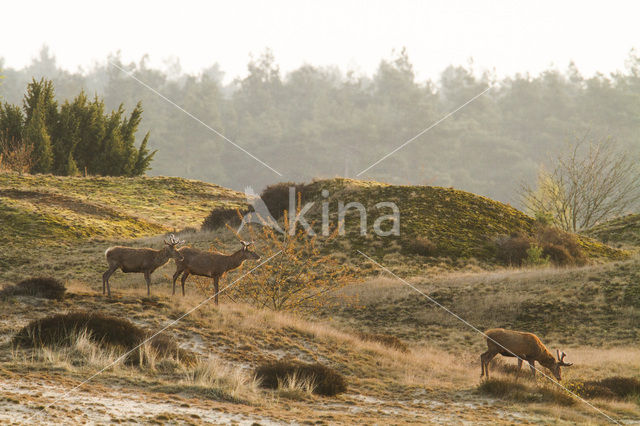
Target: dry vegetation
x,y
401,359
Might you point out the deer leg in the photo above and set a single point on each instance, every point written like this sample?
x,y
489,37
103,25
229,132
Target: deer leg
x,y
147,278
175,277
184,278
485,359
105,279
215,288
519,367
532,366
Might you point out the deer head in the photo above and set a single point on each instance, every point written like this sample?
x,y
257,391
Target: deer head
x,y
171,247
560,363
248,254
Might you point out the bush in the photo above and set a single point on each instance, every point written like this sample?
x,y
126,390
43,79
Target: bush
x,y
43,287
106,330
222,216
325,381
558,243
536,256
421,246
276,197
513,249
386,340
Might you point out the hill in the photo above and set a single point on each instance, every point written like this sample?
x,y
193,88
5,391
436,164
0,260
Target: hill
x,y
620,232
459,224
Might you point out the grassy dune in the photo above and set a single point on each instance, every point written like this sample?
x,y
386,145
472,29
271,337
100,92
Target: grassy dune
x,y
621,232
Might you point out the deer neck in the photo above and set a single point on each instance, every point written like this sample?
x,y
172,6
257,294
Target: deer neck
x,y
161,256
547,359
234,260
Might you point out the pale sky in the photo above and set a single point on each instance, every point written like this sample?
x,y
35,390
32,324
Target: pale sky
x,y
505,36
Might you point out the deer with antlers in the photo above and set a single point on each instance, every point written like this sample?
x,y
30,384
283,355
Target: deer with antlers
x,y
145,260
524,346
208,264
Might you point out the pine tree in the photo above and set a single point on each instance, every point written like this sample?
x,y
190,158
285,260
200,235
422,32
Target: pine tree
x,y
35,133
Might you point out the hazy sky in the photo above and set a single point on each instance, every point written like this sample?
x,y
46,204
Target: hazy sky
x,y
508,36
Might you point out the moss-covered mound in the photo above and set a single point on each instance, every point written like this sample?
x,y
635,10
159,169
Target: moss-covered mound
x,y
457,224
43,287
621,232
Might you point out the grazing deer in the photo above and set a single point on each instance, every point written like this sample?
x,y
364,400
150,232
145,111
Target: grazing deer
x,y
145,260
524,346
212,265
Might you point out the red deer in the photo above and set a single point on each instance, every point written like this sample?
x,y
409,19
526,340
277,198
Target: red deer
x,y
145,260
525,346
212,265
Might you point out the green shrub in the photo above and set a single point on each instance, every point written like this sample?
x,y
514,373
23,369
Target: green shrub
x,y
536,256
43,287
325,381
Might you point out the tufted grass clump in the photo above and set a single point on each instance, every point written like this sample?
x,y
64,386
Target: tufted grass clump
x,y
509,389
42,287
316,378
387,340
608,388
421,246
105,330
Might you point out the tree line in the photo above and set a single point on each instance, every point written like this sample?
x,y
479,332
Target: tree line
x,y
41,136
318,121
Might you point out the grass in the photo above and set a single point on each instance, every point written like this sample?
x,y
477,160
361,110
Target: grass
x,y
620,232
294,375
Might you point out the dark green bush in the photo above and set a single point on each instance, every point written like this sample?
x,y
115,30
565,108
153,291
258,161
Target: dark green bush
x,y
420,246
43,287
276,197
222,216
326,381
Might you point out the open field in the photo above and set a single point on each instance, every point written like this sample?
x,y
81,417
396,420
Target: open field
x,y
592,312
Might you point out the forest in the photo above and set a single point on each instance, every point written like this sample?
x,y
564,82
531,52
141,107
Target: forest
x,y
319,122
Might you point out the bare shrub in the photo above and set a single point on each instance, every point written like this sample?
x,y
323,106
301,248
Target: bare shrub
x,y
15,155
562,247
512,250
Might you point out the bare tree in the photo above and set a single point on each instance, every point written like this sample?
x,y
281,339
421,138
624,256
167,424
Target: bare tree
x,y
590,182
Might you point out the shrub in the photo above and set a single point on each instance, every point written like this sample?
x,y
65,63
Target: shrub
x,y
106,330
622,386
553,240
222,216
536,256
43,287
276,197
512,250
325,381
386,340
421,246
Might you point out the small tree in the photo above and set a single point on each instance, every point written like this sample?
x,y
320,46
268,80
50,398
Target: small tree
x,y
300,277
590,182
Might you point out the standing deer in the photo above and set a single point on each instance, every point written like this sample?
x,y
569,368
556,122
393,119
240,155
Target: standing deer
x,y
524,346
145,260
212,265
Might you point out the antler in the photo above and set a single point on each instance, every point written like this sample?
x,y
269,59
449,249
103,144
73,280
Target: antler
x,y
173,241
561,358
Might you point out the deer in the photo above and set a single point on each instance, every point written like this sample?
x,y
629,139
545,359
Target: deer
x,y
525,346
145,260
208,264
